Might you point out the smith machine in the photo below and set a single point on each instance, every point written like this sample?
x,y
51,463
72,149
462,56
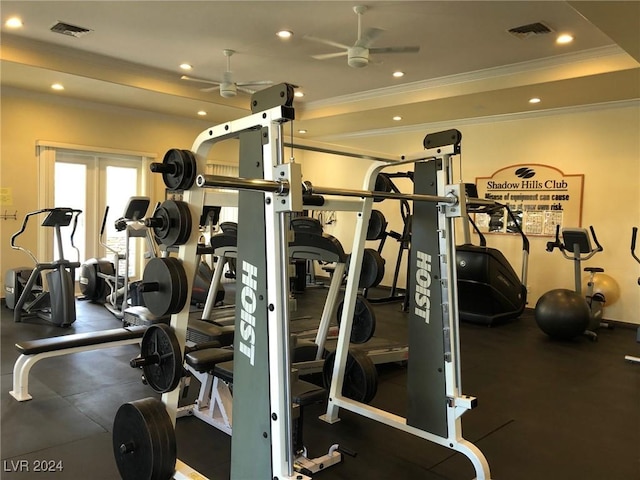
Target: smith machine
x,y
269,189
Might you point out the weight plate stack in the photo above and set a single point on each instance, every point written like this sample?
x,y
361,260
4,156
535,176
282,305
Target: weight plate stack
x,y
178,168
372,269
171,223
360,376
144,443
364,320
164,286
377,225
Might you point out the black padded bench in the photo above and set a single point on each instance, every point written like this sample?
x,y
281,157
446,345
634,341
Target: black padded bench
x,y
205,360
302,393
32,351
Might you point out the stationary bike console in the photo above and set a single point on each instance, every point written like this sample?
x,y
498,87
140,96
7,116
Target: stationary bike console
x,y
576,236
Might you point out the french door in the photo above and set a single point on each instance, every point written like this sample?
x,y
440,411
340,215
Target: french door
x,y
92,181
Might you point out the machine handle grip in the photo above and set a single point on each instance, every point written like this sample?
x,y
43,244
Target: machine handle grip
x,y
24,225
595,239
104,220
73,231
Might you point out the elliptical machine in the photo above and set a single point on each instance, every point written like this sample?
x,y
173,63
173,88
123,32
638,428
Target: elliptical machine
x,y
101,280
56,303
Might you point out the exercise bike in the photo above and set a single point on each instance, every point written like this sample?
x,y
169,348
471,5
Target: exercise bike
x,y
576,246
25,290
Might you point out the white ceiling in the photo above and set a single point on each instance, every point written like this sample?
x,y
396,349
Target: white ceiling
x,y
468,66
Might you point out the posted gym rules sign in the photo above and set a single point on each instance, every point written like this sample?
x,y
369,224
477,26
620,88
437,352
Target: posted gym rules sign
x,y
541,196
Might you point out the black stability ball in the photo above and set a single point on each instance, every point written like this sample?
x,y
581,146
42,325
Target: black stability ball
x,y
562,314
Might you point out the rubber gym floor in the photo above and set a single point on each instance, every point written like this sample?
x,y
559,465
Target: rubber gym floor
x,y
546,409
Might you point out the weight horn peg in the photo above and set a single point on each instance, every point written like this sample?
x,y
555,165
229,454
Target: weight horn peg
x,y
178,169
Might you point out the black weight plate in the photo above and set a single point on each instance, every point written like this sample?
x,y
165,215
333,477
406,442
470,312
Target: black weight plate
x,y
360,376
383,184
377,225
183,173
179,286
172,223
372,270
364,320
172,291
144,444
160,343
189,170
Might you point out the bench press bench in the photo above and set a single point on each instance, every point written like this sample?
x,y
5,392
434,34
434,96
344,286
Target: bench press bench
x,y
32,351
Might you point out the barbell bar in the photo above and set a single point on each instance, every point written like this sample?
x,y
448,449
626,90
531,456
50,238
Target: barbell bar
x,y
282,187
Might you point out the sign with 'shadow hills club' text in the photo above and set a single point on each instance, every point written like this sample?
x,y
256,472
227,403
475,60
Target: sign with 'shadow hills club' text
x,y
540,196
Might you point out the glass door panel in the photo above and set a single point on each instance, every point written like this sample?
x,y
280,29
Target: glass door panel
x,y
71,191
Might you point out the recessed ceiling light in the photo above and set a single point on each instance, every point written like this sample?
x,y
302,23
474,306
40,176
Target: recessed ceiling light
x,y
284,34
564,38
397,118
302,131
202,113
298,94
398,74
57,86
534,100
185,66
13,22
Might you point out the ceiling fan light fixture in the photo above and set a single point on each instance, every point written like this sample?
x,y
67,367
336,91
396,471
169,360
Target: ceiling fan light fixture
x,y
228,90
358,57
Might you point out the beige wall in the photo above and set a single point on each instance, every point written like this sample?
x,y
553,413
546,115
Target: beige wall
x,y
27,118
603,143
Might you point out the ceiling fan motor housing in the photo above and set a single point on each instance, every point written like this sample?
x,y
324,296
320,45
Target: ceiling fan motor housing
x,y
358,57
228,89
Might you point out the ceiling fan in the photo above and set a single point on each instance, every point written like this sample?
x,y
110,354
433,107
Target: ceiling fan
x,y
228,88
358,54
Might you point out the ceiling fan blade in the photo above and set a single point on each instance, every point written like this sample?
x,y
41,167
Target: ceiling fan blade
x,y
368,37
201,80
326,56
258,82
245,90
210,89
326,42
409,49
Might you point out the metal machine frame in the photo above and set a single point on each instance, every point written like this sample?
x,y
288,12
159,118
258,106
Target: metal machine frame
x,y
269,189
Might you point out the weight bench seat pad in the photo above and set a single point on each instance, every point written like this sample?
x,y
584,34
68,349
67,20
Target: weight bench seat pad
x,y
204,329
206,359
303,393
52,344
